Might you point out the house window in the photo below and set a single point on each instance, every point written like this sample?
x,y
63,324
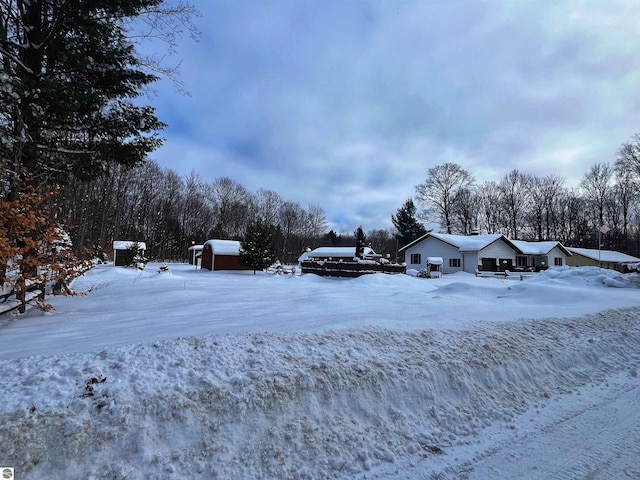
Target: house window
x,y
454,262
521,261
416,259
557,261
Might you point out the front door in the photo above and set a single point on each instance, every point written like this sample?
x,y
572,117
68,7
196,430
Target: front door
x,y
505,264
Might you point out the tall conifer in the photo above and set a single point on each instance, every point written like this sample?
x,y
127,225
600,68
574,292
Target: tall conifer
x,y
256,248
68,89
408,227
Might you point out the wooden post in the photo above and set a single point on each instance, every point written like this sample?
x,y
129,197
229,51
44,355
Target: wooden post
x,y
21,295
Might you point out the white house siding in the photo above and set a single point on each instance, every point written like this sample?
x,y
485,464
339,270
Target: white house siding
x,y
555,253
497,250
470,261
432,247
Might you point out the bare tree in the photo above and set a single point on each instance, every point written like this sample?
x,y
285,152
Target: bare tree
x,y
574,230
595,186
439,192
514,193
291,219
196,214
623,196
629,156
315,224
553,187
230,200
490,207
543,192
466,211
268,204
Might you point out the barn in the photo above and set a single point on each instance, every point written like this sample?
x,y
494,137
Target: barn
x,y
123,254
222,255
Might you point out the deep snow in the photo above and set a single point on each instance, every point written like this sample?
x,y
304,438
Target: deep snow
x,y
194,374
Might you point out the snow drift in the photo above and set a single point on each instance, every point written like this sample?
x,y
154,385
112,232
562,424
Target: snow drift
x,y
342,403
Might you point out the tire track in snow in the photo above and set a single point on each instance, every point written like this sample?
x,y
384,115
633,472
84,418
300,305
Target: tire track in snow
x,y
598,442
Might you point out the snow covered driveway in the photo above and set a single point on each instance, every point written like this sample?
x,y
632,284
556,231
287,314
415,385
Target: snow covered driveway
x,y
599,437
335,397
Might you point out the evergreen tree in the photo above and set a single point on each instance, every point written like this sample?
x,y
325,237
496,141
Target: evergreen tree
x,y
409,229
70,78
359,234
138,260
331,238
256,249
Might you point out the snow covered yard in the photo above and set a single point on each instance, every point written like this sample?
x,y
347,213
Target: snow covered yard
x,y
194,374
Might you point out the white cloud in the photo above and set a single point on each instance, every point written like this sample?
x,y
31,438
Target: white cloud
x,y
347,104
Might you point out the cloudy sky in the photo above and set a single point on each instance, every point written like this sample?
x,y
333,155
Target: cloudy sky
x,y
347,103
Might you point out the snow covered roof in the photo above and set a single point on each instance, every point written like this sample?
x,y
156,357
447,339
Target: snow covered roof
x,y
196,247
464,242
469,242
126,244
603,255
435,260
539,248
334,252
224,247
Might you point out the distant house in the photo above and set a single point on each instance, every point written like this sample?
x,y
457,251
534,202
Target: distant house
x,y
460,253
335,253
123,254
195,252
538,256
585,257
221,255
490,253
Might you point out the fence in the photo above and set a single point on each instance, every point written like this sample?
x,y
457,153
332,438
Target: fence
x,y
17,298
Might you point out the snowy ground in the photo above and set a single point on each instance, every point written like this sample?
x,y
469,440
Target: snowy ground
x,y
194,374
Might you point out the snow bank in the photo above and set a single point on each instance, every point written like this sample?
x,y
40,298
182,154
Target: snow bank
x,y
294,405
190,374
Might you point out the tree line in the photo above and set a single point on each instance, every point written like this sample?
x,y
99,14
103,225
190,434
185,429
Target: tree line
x,y
529,207
170,213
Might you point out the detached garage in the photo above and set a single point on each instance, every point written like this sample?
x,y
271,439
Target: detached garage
x,y
222,255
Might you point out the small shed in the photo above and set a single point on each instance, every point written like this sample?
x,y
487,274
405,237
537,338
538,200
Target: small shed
x,y
222,255
123,254
195,252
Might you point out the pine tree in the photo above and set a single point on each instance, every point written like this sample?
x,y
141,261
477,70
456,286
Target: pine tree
x,y
138,260
359,234
70,79
256,249
409,229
